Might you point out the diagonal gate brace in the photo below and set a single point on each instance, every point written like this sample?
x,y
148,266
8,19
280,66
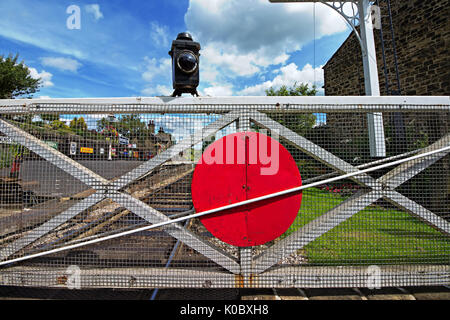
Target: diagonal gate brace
x,y
383,187
105,189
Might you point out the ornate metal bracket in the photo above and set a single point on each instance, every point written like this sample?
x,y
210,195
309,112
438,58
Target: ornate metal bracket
x,y
352,19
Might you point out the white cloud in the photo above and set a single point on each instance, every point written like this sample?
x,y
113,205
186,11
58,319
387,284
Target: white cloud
x,y
63,64
159,34
219,90
159,90
45,77
94,9
156,68
288,75
155,73
254,24
244,38
237,63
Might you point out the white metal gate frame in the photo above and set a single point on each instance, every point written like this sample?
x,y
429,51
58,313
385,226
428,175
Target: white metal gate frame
x,y
110,189
247,269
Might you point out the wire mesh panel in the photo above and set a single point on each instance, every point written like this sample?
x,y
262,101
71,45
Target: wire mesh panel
x,y
83,185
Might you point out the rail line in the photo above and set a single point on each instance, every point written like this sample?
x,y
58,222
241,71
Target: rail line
x,y
162,190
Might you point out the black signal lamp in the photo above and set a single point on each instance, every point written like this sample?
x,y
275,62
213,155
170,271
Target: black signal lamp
x,y
185,55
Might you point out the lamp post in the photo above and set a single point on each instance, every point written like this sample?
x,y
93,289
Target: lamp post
x,y
111,119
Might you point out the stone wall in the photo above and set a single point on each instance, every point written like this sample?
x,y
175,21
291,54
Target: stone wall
x,y
422,34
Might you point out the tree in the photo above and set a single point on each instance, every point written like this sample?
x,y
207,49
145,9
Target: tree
x,y
130,126
49,117
15,79
78,124
105,127
60,125
300,123
296,90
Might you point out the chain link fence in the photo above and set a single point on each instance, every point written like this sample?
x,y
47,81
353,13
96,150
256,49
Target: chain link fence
x,y
79,178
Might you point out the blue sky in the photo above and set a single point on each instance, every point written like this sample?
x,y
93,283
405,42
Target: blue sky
x,y
121,48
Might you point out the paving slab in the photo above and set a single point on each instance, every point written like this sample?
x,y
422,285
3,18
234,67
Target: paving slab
x,y
387,294
332,294
430,293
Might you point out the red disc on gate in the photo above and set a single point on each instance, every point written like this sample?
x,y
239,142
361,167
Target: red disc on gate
x,y
244,166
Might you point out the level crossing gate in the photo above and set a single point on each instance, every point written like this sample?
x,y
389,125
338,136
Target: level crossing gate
x,y
88,211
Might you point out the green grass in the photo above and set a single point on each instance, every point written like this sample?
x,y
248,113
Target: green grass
x,y
375,235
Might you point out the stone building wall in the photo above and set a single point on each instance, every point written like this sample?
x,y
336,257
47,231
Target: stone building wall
x,y
422,34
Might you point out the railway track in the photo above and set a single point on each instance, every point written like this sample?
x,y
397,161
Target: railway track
x,y
166,190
